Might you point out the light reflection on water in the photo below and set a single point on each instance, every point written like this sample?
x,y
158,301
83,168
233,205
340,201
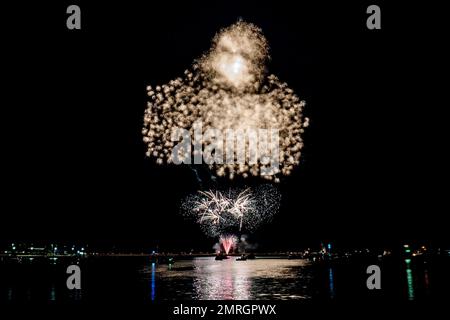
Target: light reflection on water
x,y
135,279
241,280
153,281
331,282
409,280
52,293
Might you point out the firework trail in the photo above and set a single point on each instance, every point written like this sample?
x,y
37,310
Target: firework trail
x,y
228,88
231,211
197,176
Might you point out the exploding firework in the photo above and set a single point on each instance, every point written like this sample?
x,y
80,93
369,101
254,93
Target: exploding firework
x,y
215,206
228,242
228,89
232,211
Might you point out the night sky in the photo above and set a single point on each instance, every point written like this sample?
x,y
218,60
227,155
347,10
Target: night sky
x,y
74,165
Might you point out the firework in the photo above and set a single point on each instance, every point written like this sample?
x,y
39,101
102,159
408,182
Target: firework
x,y
214,207
228,89
228,242
234,210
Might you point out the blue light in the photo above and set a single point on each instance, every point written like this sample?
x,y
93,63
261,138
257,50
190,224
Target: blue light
x,y
331,283
153,282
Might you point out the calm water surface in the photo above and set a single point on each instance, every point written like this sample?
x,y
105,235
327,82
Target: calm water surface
x,y
137,279
208,279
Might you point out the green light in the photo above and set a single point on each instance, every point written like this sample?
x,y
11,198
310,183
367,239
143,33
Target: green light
x,y
407,251
409,280
410,283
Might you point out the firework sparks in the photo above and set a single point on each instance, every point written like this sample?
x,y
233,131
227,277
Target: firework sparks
x,y
214,206
211,206
241,205
228,242
227,88
235,210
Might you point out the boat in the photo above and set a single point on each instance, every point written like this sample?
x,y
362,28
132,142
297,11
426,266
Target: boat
x,y
242,258
220,256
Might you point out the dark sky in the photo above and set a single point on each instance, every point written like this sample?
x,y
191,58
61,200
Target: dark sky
x,y
73,162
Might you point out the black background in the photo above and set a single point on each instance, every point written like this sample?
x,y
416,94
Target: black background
x,y
74,166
